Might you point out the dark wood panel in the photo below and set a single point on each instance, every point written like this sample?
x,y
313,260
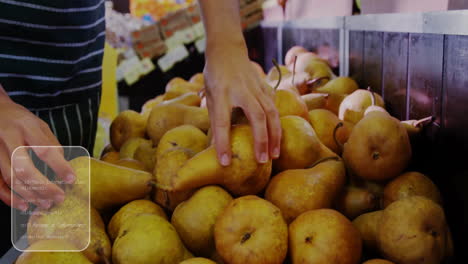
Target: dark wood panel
x,y
372,64
270,46
356,49
395,73
425,68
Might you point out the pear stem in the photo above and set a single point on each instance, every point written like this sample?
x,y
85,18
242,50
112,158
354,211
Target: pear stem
x,y
428,119
338,143
323,160
279,73
294,70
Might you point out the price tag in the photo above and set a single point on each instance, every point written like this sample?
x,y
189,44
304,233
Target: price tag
x,y
173,56
187,35
147,66
201,45
132,76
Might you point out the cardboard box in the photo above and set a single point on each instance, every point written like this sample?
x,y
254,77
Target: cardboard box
x,y
151,49
406,6
148,33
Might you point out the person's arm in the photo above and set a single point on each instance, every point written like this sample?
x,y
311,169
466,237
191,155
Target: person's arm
x,y
22,128
231,81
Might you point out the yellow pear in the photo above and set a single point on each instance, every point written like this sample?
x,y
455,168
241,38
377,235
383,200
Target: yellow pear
x,y
378,147
325,125
292,53
195,218
353,202
198,78
324,236
273,74
175,148
178,86
368,225
290,103
166,117
148,238
190,99
146,154
315,100
301,190
243,176
110,185
76,222
131,163
340,85
198,261
48,256
334,101
129,211
352,108
300,146
146,108
410,184
378,261
126,125
108,148
127,151
251,230
111,157
315,67
413,230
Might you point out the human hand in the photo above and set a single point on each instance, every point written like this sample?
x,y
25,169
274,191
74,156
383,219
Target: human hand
x,y
25,129
232,81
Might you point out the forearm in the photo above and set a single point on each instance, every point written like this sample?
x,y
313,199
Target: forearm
x,y
222,23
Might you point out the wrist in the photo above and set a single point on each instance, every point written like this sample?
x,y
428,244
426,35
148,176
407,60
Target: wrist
x,y
230,45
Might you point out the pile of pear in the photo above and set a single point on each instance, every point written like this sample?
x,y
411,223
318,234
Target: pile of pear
x,y
340,192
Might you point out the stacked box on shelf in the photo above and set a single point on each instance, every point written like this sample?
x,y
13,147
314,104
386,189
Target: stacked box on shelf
x,y
194,13
148,42
251,13
173,22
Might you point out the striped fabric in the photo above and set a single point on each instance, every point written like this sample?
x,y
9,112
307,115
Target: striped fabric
x,y
51,50
50,62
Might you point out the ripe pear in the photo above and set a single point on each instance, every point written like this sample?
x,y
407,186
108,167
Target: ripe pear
x,y
148,238
273,75
413,230
242,177
290,103
378,261
315,67
127,151
195,218
411,184
126,125
178,86
146,108
131,163
353,106
190,99
324,123
146,154
111,157
251,230
368,225
175,148
198,78
110,185
292,53
301,190
378,147
300,146
166,117
340,85
334,101
76,222
48,256
315,100
129,211
108,148
198,261
324,236
353,202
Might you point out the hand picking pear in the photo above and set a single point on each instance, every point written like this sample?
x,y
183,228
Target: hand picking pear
x,y
340,85
48,256
243,176
198,261
127,151
324,123
298,191
176,147
126,125
251,230
378,147
76,222
129,211
368,225
354,105
300,146
110,185
324,236
353,202
410,184
166,117
195,218
413,230
148,238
